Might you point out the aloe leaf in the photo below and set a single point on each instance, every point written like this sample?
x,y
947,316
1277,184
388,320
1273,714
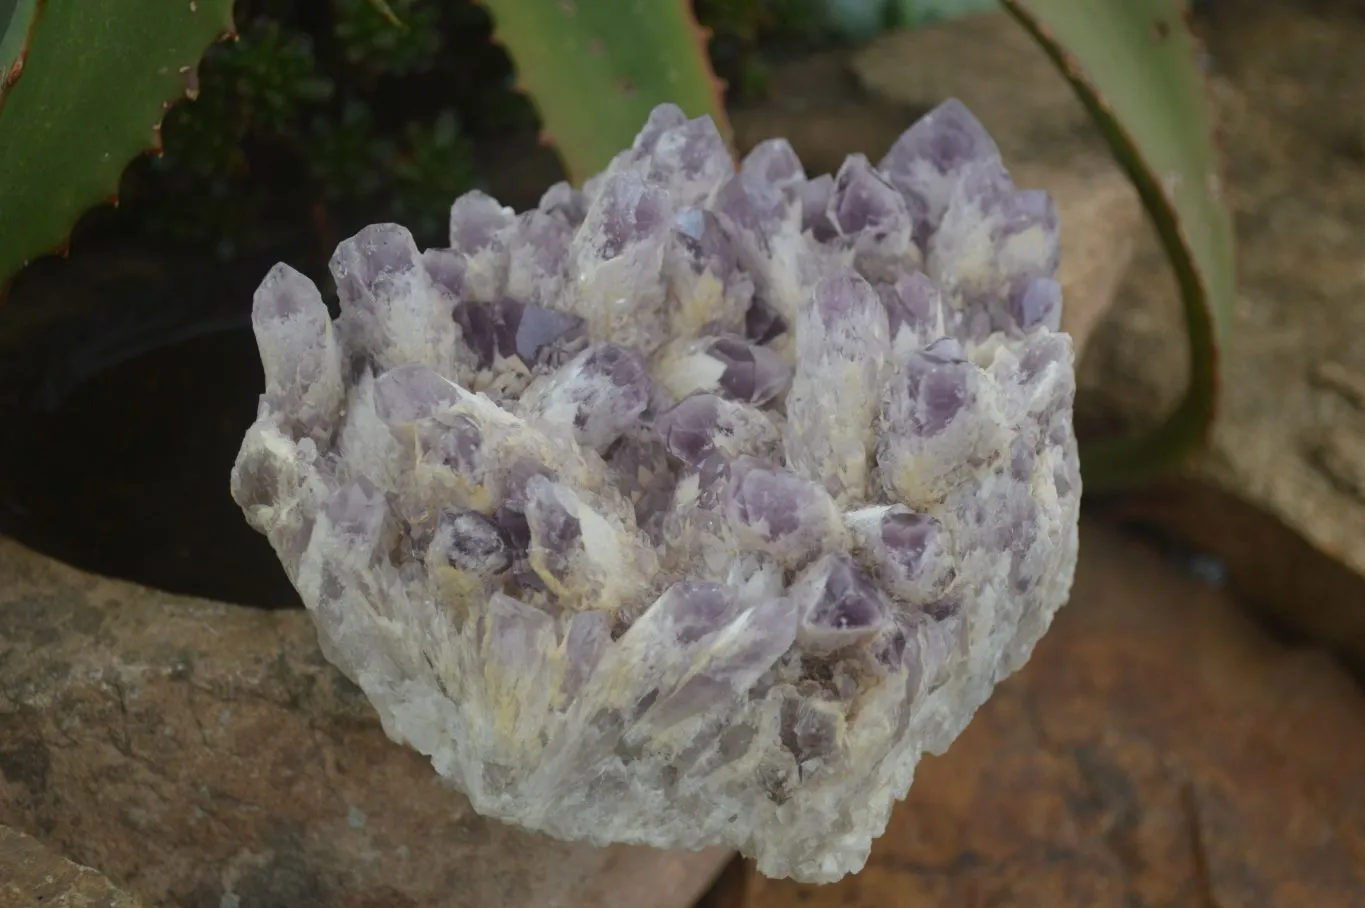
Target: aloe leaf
x,y
595,68
17,18
1134,65
95,80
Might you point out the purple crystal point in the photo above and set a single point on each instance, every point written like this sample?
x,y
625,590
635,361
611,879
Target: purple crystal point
x,y
913,555
775,162
927,160
1038,304
940,424
302,359
691,159
752,373
391,312
986,212
507,328
842,606
662,118
777,511
538,256
815,201
476,219
357,512
447,268
564,202
871,217
914,310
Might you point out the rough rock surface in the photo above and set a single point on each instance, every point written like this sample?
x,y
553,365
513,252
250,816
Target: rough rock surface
x,y
205,755
691,508
1283,507
33,876
1159,749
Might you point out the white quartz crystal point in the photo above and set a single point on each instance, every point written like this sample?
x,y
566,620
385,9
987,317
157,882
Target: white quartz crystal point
x,y
618,257
689,509
842,348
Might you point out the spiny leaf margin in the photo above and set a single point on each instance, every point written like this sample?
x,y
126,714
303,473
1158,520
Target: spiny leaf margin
x,y
96,81
594,69
1134,65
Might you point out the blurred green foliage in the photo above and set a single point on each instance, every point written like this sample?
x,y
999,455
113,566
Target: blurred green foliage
x,y
328,116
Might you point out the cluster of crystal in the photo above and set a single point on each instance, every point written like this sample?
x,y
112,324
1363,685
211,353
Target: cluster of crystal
x,y
691,508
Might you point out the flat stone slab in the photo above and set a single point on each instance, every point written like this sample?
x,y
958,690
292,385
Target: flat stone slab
x,y
205,755
32,874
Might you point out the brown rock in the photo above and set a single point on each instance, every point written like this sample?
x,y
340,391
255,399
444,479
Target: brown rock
x,y
1158,749
31,875
1280,496
204,755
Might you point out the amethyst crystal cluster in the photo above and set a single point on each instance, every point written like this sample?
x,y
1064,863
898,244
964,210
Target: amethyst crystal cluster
x,y
690,508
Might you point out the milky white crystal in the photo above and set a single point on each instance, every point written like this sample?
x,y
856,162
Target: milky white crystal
x,y
692,508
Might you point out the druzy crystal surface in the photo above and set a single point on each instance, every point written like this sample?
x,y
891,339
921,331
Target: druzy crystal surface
x,y
691,508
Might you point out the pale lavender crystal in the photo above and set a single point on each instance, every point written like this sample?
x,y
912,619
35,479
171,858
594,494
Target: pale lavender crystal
x,y
478,231
926,162
618,256
692,609
688,508
390,310
774,161
564,202
1037,304
1017,231
691,159
940,425
538,257
725,365
299,351
778,512
871,218
911,554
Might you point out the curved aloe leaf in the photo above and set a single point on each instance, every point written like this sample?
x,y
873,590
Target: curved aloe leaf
x,y
92,82
1133,64
595,68
16,26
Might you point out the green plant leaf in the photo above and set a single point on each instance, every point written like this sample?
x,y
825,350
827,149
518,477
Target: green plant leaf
x,y
1134,65
595,68
17,18
96,80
